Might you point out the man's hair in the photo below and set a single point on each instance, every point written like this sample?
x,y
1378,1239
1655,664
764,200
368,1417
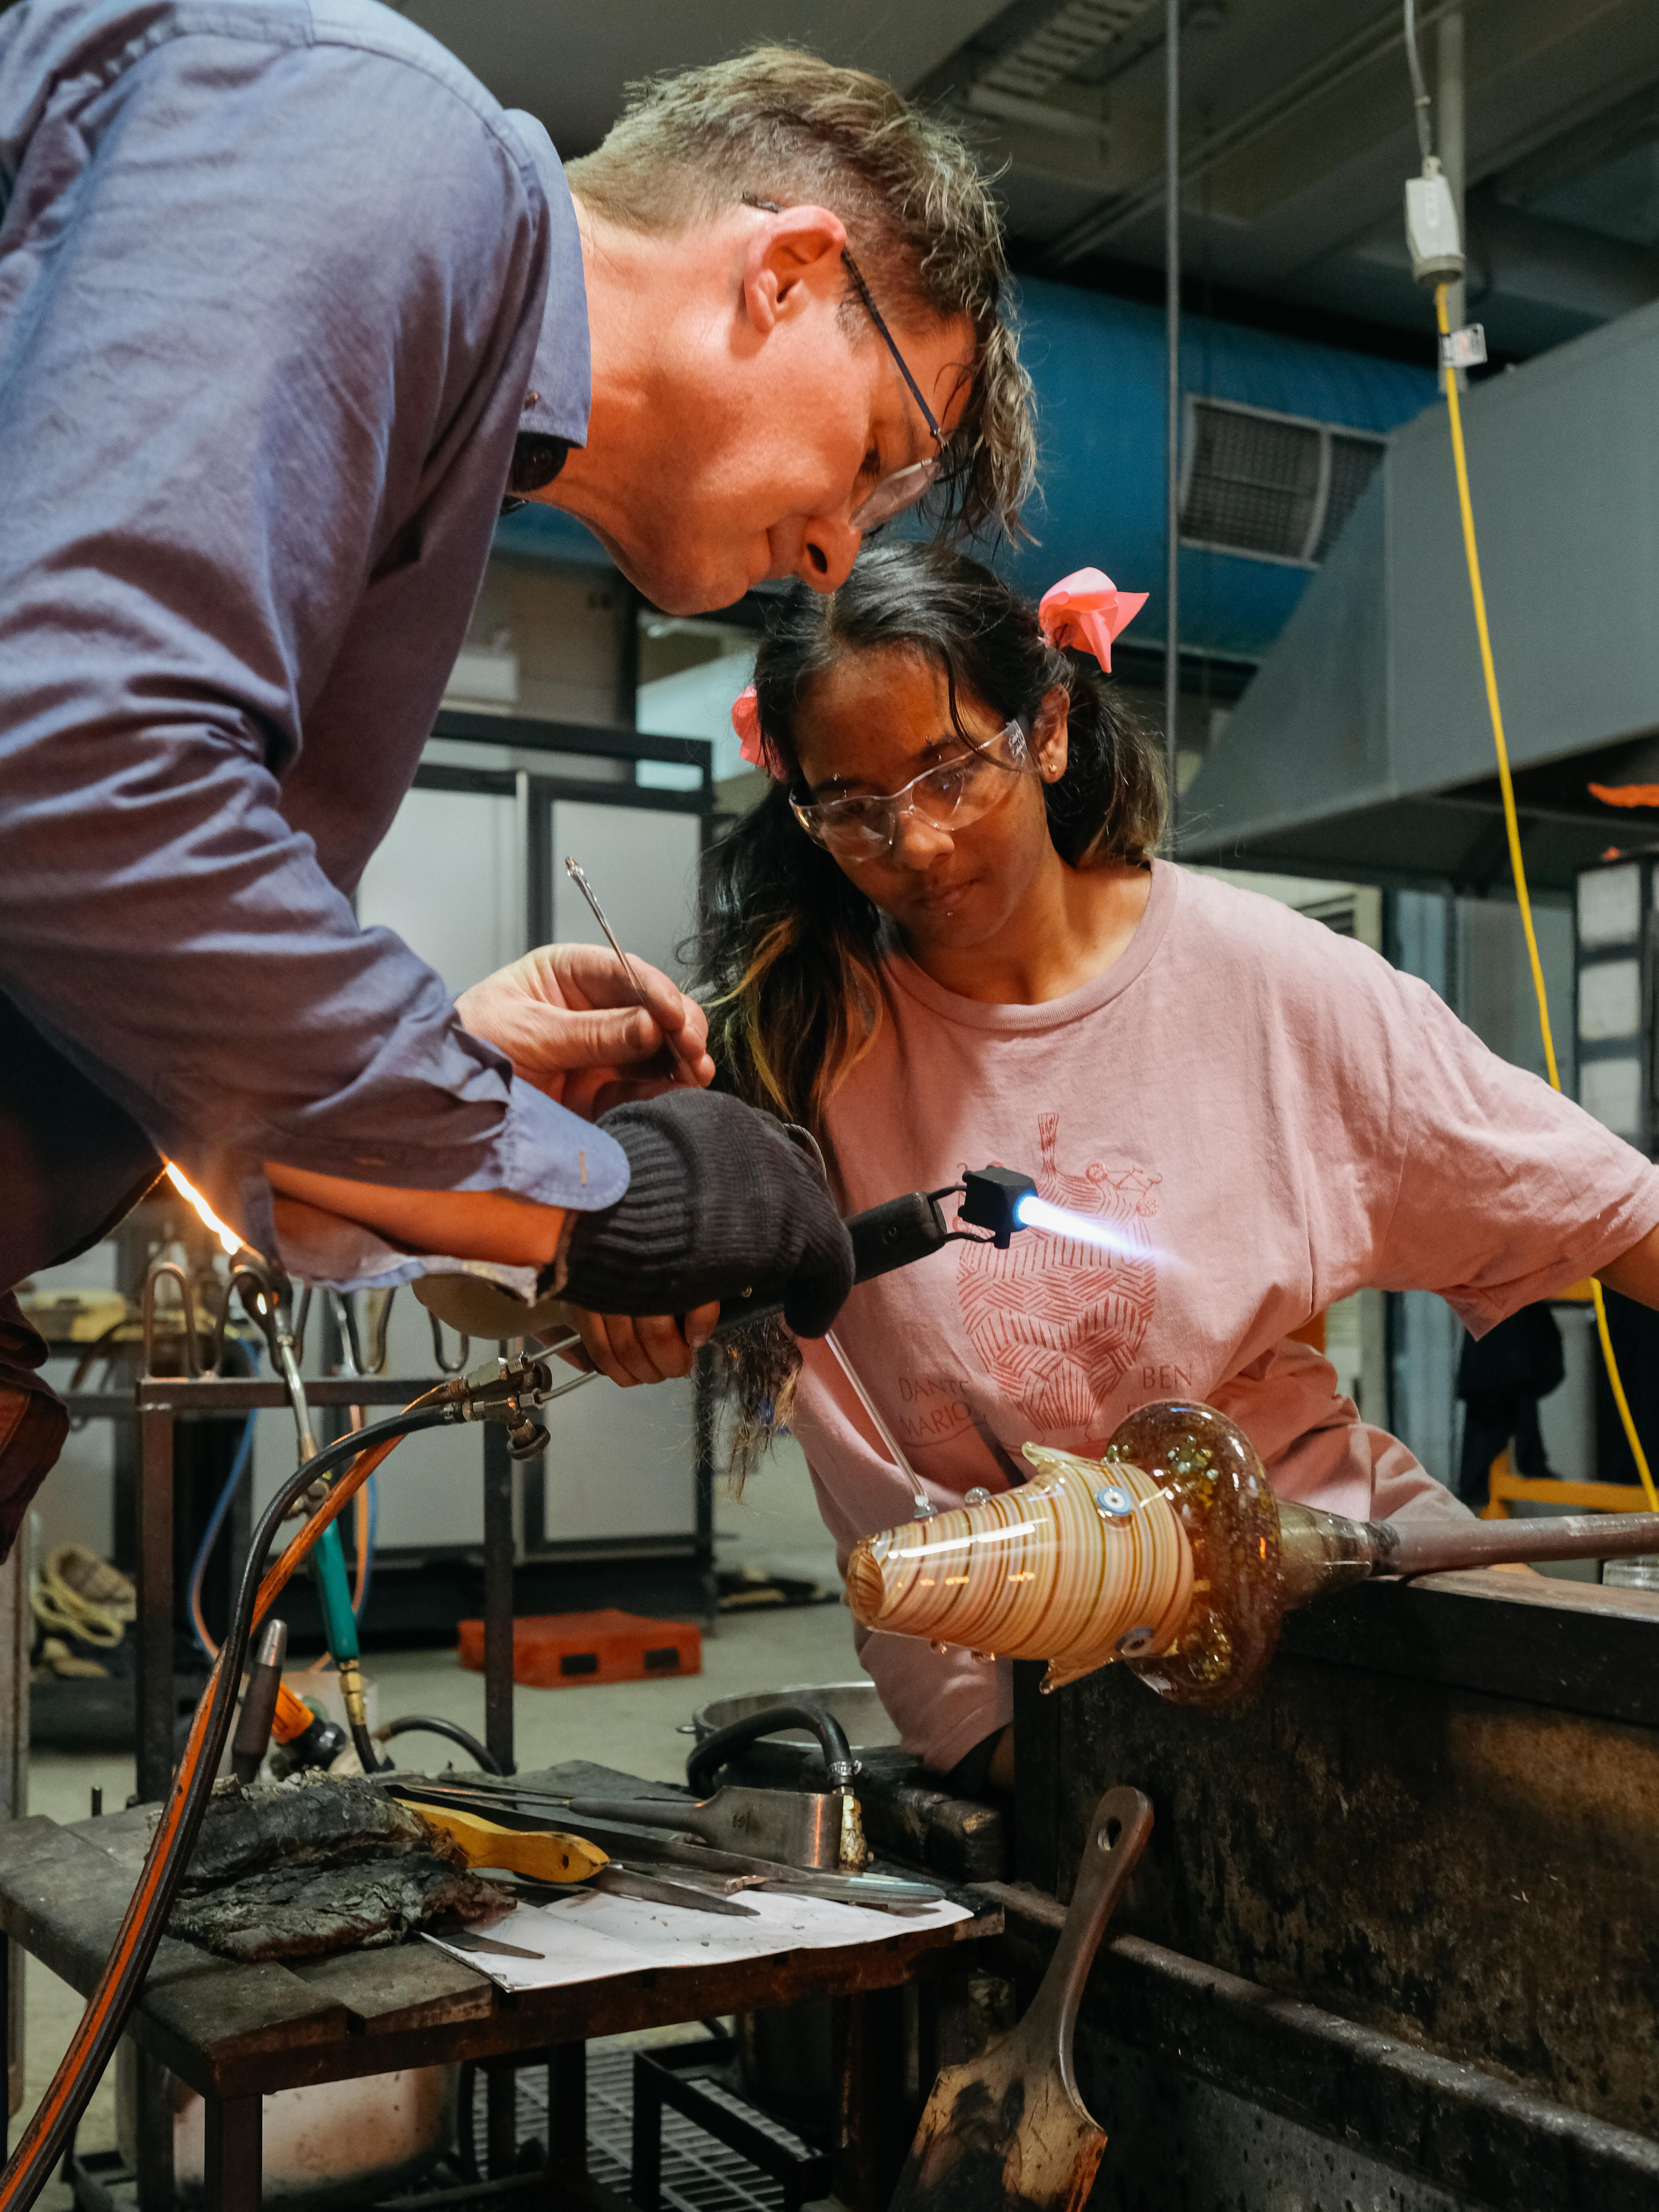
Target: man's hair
x,y
778,125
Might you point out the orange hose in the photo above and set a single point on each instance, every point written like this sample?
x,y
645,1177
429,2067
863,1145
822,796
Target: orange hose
x,y
137,1910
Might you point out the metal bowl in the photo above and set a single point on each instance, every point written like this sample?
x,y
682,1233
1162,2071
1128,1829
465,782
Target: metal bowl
x,y
855,1704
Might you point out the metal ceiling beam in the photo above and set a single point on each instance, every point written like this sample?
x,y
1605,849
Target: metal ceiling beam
x,y
1330,72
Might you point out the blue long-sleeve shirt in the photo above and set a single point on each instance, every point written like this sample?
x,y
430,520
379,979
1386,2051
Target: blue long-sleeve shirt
x,y
280,284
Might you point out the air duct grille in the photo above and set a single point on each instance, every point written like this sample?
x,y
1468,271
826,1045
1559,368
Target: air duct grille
x,y
1275,486
1354,462
1068,41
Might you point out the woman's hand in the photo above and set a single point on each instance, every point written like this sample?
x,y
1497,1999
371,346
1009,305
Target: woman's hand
x,y
654,1348
566,1016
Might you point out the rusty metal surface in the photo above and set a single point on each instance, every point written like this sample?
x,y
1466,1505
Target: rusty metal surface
x,y
1413,2121
1477,1875
1574,1647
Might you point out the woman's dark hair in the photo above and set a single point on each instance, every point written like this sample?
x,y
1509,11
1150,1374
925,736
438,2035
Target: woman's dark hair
x,y
788,954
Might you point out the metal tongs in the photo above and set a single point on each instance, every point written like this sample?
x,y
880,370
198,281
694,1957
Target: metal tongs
x,y
659,1854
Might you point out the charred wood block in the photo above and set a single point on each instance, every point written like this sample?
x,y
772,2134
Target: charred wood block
x,y
309,1820
308,1911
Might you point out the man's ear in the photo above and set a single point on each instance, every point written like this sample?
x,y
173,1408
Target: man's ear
x,y
792,258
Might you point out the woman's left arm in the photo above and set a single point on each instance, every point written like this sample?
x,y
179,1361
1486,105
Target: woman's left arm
x,y
1635,1274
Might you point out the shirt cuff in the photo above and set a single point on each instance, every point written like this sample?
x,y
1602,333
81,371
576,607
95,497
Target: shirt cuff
x,y
541,1152
546,1154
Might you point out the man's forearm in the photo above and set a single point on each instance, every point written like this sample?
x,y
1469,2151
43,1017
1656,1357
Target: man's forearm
x,y
465,1225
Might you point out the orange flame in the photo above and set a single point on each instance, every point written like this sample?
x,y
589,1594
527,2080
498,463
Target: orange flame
x,y
228,1238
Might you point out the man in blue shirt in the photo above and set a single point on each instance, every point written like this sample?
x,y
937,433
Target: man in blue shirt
x,y
288,304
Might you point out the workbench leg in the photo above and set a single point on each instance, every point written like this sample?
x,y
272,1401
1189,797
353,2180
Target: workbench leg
x,y
871,2134
231,2166
567,2111
501,2118
645,2163
944,2028
155,2119
154,1688
498,1596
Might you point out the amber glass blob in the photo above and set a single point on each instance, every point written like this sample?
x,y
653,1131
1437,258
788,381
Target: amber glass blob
x,y
1209,1470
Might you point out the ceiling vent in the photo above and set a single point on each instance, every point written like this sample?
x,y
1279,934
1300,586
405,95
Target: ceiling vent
x,y
1068,41
1278,487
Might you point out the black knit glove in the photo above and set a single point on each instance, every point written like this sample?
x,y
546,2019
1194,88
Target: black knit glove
x,y
719,1203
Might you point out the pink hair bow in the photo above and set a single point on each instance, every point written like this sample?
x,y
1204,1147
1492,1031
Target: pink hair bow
x,y
752,745
1086,611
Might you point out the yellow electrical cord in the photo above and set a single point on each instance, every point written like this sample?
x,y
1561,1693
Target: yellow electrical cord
x,y
1513,829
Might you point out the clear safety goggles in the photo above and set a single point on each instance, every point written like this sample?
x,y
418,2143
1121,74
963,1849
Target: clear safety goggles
x,y
866,826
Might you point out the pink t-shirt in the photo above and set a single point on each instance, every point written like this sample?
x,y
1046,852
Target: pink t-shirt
x,y
1269,1117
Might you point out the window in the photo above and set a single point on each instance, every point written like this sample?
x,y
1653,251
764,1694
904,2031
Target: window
x,y
1275,486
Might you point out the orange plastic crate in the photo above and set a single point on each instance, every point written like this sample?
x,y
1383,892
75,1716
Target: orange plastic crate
x,y
562,1650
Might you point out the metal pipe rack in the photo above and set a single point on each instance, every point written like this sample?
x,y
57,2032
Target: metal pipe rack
x,y
160,1402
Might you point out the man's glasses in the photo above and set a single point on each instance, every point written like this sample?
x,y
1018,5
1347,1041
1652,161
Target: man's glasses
x,y
948,797
900,491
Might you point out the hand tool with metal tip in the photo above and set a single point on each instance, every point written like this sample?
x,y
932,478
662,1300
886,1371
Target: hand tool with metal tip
x,y
252,1737
614,1880
797,1827
468,1939
539,1854
884,1893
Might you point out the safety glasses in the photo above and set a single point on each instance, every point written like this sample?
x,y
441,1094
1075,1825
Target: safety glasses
x,y
958,791
904,487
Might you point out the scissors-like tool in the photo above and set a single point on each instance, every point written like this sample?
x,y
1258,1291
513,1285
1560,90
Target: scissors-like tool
x,y
579,876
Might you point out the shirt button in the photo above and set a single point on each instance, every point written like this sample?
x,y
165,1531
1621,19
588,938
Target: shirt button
x,y
531,399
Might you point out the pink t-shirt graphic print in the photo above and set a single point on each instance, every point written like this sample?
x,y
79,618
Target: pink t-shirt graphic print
x,y
1058,1321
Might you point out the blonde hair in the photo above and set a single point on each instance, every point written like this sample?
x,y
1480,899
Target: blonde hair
x,y
775,123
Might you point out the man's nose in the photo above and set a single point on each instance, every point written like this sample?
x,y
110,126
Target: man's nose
x,y
828,550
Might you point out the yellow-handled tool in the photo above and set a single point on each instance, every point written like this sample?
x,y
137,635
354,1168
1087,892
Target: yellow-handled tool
x,y
538,1854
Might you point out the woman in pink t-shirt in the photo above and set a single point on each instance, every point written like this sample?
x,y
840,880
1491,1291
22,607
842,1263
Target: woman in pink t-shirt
x,y
941,940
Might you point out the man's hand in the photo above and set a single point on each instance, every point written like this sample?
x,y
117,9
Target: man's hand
x,y
656,1348
566,1016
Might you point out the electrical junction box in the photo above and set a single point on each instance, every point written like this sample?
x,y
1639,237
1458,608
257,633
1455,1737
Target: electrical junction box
x,y
1613,998
1464,349
1432,236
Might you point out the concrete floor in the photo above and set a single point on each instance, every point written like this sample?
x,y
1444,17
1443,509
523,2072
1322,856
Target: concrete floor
x,y
631,1725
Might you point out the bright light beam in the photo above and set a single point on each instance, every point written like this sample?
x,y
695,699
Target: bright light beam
x,y
1034,1212
232,1243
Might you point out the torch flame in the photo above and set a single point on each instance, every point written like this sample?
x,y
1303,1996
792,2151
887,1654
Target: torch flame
x,y
228,1238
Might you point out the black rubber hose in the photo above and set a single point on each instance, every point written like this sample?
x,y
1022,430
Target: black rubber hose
x,y
363,1744
712,1753
39,2154
429,1724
